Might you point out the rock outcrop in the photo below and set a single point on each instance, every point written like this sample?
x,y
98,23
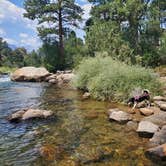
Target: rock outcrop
x,y
30,74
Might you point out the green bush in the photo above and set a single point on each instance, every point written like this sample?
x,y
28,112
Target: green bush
x,y
107,79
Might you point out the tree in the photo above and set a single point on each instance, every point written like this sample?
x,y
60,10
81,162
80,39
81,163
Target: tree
x,y
56,15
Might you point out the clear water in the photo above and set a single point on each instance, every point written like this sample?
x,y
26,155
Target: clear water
x,y
79,133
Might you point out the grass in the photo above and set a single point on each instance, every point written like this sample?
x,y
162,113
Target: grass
x,y
4,69
107,79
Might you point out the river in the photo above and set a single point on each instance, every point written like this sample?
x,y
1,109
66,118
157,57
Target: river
x,y
80,133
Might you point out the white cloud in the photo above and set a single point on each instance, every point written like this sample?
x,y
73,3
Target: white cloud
x,y
10,41
13,13
2,32
23,35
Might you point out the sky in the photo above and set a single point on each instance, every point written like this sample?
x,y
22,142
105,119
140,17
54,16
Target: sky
x,y
20,31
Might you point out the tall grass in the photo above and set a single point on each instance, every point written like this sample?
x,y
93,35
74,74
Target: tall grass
x,y
107,79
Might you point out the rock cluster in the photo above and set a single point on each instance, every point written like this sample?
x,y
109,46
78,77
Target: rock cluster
x,y
33,74
29,114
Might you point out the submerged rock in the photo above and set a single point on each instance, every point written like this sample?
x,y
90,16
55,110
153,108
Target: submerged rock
x,y
159,137
147,129
29,114
132,126
30,74
158,152
119,116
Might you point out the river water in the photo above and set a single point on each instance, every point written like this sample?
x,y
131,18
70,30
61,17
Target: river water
x,y
79,133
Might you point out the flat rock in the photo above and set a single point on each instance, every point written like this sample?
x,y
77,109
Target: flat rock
x,y
119,116
36,113
146,111
159,137
158,153
159,98
147,129
30,74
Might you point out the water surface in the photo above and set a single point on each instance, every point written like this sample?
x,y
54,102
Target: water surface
x,y
79,133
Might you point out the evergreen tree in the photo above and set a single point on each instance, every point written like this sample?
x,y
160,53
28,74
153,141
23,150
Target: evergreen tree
x,y
55,15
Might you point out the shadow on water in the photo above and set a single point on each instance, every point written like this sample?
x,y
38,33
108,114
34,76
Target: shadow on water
x,y
79,134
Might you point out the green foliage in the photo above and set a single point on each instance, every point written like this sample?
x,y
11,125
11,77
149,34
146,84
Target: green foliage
x,y
128,30
6,69
107,79
59,14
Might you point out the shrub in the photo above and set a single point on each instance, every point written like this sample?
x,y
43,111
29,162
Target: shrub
x,y
107,79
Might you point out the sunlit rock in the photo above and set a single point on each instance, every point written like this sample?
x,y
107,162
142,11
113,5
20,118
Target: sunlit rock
x,y
147,129
119,116
30,74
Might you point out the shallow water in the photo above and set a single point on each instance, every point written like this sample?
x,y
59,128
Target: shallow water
x,y
79,133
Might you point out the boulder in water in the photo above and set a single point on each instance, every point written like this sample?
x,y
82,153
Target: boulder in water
x,y
29,114
30,74
147,129
159,137
147,111
119,116
157,153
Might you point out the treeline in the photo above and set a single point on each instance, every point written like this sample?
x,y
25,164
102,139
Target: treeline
x,y
46,55
132,31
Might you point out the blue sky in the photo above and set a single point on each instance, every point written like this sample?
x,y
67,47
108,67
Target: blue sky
x,y
20,31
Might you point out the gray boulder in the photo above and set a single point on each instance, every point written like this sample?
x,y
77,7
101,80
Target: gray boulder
x,y
119,116
159,137
147,129
157,153
158,119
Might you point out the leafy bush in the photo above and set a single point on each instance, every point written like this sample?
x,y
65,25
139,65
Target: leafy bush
x,y
107,79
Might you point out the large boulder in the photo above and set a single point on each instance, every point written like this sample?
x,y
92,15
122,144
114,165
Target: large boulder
x,y
147,129
157,153
158,119
29,114
119,116
159,137
30,74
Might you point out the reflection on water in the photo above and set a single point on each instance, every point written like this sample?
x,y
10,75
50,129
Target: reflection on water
x,y
81,133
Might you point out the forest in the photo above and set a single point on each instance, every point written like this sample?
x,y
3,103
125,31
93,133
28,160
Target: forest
x,y
131,31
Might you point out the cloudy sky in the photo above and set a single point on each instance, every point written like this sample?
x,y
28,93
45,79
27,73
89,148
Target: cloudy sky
x,y
20,31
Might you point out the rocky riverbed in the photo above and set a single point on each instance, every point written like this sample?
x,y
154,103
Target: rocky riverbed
x,y
81,132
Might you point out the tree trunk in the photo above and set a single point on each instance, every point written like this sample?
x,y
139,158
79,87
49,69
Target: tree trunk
x,y
61,45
